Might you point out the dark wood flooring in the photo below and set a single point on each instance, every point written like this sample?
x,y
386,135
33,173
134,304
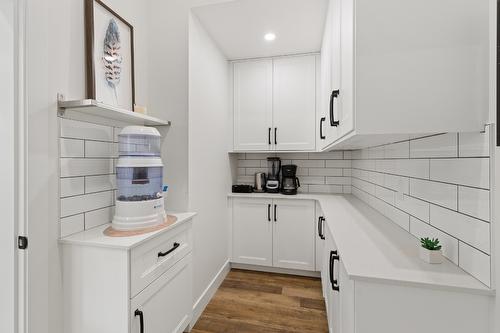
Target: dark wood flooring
x,y
256,302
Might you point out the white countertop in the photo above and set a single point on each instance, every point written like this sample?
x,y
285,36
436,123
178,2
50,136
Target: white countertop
x,y
373,248
96,237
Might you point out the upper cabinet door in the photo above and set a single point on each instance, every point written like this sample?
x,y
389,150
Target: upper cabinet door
x,y
293,237
253,105
294,103
344,63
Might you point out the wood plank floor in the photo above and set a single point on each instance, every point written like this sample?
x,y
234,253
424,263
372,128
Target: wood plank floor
x,y
256,302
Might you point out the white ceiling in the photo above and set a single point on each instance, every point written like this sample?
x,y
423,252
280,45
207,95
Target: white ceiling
x,y
238,27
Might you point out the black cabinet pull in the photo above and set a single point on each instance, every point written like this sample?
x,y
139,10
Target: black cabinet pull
x,y
269,136
269,212
321,136
321,221
335,94
276,135
275,217
162,254
141,318
333,256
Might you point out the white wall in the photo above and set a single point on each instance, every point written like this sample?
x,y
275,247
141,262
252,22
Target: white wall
x,y
55,63
209,165
7,193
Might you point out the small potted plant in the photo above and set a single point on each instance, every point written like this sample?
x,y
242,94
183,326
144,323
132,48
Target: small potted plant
x,y
430,251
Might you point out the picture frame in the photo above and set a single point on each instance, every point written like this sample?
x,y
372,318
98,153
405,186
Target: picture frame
x,y
109,52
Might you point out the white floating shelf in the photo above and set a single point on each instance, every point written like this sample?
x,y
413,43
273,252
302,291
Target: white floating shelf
x,y
94,109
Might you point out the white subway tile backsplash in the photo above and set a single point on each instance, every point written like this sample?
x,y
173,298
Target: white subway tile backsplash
x,y
438,193
84,203
463,171
347,172
83,130
253,171
325,189
73,167
398,150
249,163
475,262
293,156
475,144
241,171
326,172
397,183
338,163
443,145
71,225
100,183
470,230
413,206
338,180
100,149
98,217
71,186
474,202
309,163
71,148
331,155
410,168
312,180
449,244
443,184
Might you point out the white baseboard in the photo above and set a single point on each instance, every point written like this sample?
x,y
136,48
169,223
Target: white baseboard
x,y
275,270
208,293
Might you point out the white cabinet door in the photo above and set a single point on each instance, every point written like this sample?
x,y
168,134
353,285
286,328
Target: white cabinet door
x,y
294,103
293,239
166,304
346,65
325,82
328,277
252,232
253,105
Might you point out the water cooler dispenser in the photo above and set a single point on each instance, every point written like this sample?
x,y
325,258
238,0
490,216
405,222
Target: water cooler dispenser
x,y
139,180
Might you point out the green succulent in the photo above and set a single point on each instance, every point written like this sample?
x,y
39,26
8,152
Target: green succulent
x,y
430,244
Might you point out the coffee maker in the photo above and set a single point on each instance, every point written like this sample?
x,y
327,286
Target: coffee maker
x,y
290,183
273,175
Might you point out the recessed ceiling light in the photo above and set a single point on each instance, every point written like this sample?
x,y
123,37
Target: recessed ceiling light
x,y
270,36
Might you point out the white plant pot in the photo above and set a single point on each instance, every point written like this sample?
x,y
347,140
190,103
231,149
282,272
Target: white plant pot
x,y
431,257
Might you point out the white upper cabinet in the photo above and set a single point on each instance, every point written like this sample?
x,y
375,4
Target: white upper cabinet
x,y
294,103
253,87
405,69
275,104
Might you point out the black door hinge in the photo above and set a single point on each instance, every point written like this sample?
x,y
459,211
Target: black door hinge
x,y
22,242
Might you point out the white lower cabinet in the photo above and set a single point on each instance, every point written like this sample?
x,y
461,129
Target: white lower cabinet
x,y
274,232
371,306
125,286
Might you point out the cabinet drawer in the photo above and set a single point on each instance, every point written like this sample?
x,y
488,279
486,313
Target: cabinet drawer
x,y
165,306
152,259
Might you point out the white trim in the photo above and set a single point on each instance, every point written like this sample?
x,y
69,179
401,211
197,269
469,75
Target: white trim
x,y
277,270
200,305
21,158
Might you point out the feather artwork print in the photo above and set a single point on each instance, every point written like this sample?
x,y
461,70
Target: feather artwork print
x,y
112,58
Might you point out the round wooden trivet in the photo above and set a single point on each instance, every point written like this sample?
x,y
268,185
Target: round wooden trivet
x,y
109,231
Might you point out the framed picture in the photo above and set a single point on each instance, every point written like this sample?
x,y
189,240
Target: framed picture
x,y
109,44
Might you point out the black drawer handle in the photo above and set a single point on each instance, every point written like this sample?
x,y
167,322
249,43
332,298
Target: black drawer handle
x,y
162,254
321,136
335,94
269,136
275,216
321,221
269,212
333,256
276,135
141,318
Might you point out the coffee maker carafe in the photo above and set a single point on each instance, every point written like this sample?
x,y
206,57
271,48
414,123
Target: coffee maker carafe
x,y
273,175
290,183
